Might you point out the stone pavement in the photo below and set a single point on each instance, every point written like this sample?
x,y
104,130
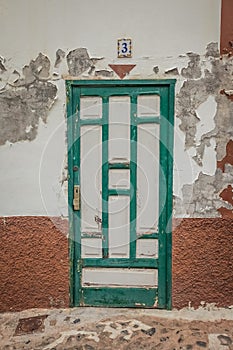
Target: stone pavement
x,y
131,329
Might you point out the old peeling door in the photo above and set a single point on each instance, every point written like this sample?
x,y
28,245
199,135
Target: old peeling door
x,y
120,140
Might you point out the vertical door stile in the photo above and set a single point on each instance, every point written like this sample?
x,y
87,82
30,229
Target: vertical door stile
x,y
163,203
133,175
105,132
70,123
170,145
76,181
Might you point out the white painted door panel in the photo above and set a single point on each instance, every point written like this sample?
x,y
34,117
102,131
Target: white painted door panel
x,y
91,201
148,178
119,277
119,128
119,226
90,107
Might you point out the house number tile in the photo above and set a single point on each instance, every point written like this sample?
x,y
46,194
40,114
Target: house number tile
x,y
124,48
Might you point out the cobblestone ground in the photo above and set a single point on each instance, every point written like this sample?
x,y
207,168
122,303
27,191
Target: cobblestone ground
x,y
96,328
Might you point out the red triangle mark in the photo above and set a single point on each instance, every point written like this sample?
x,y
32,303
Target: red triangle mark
x,y
122,69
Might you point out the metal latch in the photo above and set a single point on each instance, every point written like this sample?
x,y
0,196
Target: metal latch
x,y
76,200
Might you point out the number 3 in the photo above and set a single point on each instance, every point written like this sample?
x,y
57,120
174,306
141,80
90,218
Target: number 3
x,y
124,47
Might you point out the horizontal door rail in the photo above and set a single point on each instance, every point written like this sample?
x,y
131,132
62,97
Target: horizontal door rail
x,y
89,121
121,262
147,120
123,165
153,235
119,192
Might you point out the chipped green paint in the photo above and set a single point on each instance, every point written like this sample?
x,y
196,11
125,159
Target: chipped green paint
x,y
122,297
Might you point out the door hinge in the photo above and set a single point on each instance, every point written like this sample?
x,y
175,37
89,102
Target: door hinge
x,y
76,200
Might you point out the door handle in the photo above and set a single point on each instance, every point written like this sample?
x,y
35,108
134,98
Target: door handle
x,y
76,200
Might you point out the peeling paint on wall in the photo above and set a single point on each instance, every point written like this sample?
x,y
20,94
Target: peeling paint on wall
x,y
78,61
2,67
227,196
228,159
25,101
227,193
193,70
212,50
195,92
228,93
172,71
60,55
104,73
202,199
211,196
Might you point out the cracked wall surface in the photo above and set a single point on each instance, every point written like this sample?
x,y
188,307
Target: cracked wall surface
x,y
202,197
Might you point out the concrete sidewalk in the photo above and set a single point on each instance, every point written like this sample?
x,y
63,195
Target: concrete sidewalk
x,y
102,328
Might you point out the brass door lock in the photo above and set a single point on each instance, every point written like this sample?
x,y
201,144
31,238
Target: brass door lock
x,y
76,200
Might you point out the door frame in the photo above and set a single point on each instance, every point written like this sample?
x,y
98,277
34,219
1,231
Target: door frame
x,y
165,243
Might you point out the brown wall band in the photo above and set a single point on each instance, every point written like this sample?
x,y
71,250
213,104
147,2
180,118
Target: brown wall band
x,y
34,264
226,41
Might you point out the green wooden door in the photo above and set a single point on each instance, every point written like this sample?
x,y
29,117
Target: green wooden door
x,y
120,146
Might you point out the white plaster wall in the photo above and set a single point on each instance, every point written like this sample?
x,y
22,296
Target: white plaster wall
x,y
31,172
158,28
